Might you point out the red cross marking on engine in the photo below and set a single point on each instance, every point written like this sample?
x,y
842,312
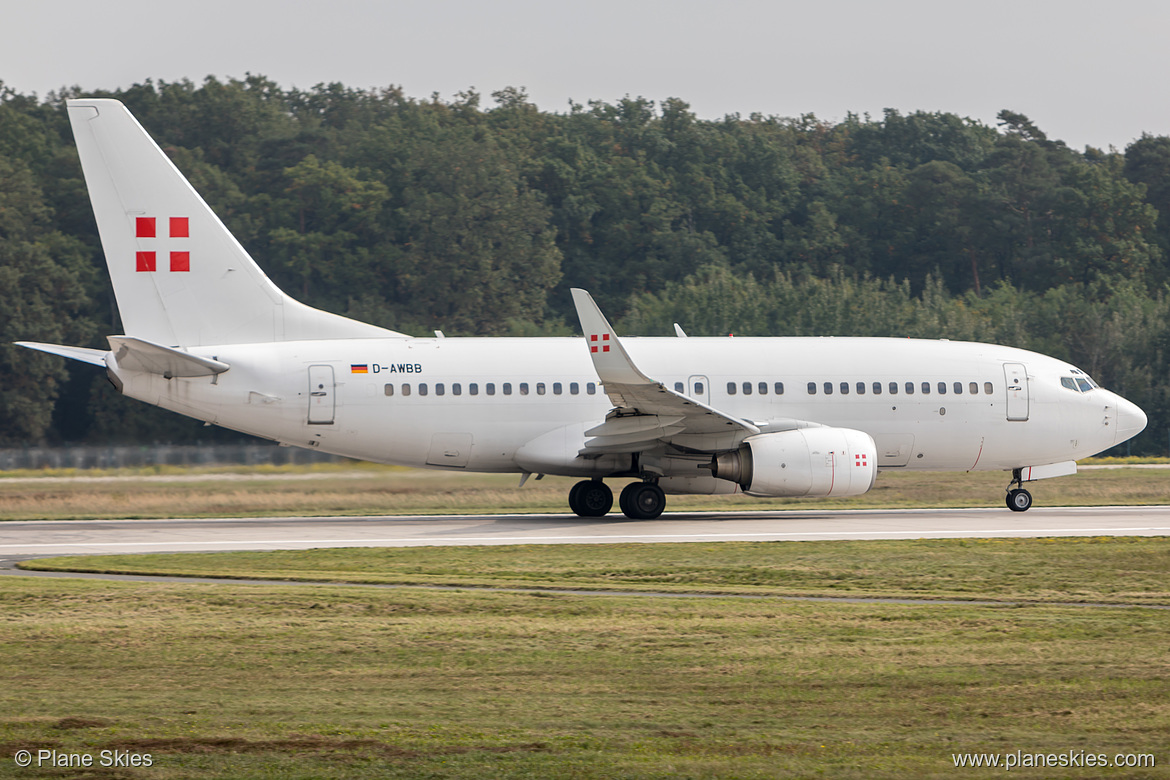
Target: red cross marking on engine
x,y
593,339
860,460
147,260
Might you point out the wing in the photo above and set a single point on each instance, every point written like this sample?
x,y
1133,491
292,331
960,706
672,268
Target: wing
x,y
647,411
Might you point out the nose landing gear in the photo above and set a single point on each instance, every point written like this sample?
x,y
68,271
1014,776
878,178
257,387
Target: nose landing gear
x,y
1018,499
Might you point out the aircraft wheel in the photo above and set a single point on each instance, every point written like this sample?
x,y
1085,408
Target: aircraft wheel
x,y
642,501
590,498
1019,500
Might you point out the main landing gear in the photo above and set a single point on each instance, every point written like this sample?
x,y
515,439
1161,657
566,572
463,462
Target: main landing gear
x,y
1018,499
638,500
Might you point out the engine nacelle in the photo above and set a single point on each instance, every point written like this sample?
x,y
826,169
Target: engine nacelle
x,y
820,462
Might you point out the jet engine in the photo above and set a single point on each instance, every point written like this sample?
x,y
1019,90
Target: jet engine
x,y
818,462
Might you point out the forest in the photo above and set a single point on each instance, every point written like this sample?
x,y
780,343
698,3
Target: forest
x,y
475,215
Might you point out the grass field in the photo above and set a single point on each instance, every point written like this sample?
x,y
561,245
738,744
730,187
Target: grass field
x,y
227,681
324,681
382,490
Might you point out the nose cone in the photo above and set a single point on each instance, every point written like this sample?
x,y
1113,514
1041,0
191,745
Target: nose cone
x,y
1131,420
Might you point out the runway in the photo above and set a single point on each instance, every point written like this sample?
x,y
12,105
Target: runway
x,y
34,539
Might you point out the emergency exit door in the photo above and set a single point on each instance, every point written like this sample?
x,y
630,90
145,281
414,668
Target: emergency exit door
x,y
321,395
699,388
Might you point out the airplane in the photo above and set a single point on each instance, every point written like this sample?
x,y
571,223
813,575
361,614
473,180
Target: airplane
x,y
208,335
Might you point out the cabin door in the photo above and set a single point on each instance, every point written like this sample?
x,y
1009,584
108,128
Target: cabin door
x,y
1016,376
321,395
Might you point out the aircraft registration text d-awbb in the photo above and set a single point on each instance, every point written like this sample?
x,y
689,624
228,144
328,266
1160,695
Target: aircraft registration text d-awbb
x,y
208,335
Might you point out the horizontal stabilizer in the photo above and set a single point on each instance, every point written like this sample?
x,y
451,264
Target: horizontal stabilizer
x,y
137,355
95,357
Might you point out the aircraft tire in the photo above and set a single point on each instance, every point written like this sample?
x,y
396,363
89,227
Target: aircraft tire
x,y
1019,500
590,498
642,501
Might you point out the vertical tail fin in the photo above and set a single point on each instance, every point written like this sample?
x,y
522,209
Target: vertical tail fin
x,y
179,275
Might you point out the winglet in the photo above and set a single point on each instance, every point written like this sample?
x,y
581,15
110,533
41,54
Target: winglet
x,y
610,360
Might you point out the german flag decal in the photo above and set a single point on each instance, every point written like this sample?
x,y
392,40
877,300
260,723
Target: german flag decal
x,y
359,368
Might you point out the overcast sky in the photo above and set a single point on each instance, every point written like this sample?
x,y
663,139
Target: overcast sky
x,y
1085,72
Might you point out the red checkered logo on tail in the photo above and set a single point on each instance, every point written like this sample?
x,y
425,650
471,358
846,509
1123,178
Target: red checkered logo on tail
x,y
593,342
147,227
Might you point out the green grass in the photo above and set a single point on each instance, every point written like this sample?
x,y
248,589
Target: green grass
x,y
1076,569
233,681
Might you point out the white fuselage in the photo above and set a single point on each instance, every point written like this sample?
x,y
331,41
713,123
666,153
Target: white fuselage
x,y
523,405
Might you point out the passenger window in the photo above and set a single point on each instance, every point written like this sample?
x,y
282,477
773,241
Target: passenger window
x,y
422,388
778,388
973,387
591,388
987,388
491,388
763,388
574,388
731,388
540,388
473,389
507,388
828,388
678,387
747,388
698,388
909,388
523,388
389,389
942,388
440,388
861,388
844,388
812,388
556,388
877,388
456,389
926,388
958,388
893,388
406,388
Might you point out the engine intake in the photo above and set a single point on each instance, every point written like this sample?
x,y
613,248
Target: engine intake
x,y
821,462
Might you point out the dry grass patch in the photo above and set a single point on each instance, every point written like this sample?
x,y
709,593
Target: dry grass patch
x,y
394,491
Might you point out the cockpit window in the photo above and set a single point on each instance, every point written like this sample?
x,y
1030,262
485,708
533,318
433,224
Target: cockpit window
x,y
1081,383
